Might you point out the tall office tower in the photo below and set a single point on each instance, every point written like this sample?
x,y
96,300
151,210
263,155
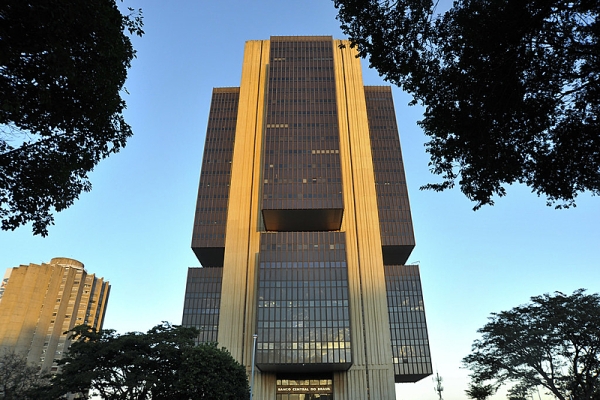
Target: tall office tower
x,y
303,228
41,302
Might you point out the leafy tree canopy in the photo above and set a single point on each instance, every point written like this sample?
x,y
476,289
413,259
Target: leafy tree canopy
x,y
478,391
553,342
18,379
511,89
520,392
63,64
208,372
161,364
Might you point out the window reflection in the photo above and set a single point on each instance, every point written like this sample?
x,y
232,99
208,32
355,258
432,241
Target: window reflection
x,y
410,344
303,312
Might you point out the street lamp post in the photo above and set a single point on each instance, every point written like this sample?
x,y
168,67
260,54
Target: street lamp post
x,y
254,337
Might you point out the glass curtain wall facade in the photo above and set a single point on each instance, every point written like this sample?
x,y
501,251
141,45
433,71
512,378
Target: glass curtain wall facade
x,y
302,224
302,172
208,237
410,344
202,302
390,182
303,314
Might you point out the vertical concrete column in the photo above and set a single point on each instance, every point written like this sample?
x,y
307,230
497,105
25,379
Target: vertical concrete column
x,y
242,236
370,321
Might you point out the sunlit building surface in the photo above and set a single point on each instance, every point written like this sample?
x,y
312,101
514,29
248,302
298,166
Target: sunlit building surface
x,y
39,303
303,227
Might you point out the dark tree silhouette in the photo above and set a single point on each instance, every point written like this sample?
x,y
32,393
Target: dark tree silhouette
x,y
553,342
208,372
478,391
18,379
63,64
161,364
511,89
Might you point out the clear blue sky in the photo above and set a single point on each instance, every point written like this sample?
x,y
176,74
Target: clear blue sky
x,y
134,228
